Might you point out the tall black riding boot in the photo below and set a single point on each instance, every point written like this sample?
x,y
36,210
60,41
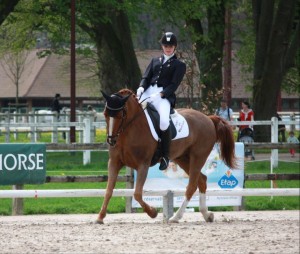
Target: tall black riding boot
x,y
165,148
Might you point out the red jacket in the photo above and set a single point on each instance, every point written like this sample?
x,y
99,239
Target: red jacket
x,y
246,117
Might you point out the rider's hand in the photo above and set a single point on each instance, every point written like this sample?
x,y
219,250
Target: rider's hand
x,y
139,91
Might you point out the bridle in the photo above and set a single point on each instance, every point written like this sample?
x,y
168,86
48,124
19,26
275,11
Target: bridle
x,y
112,139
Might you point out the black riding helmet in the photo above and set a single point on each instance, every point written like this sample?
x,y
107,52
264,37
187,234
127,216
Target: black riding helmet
x,y
169,39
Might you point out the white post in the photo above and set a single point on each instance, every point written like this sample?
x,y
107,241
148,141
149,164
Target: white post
x,y
32,128
80,135
37,135
16,128
87,139
67,120
54,131
7,129
168,206
274,139
93,129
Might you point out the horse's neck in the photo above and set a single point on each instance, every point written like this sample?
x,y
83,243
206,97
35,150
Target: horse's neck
x,y
136,120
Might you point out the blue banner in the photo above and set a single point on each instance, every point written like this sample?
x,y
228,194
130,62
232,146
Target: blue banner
x,y
219,176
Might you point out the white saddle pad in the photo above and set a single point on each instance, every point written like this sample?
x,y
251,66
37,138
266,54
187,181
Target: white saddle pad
x,y
179,122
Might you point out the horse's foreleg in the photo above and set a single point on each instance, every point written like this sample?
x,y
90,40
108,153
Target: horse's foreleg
x,y
179,213
184,164
208,216
191,188
112,178
138,193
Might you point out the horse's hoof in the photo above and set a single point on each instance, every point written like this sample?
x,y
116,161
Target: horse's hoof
x,y
152,213
98,221
210,217
173,220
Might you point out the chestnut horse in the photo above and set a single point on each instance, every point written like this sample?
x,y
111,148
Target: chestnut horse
x,y
131,144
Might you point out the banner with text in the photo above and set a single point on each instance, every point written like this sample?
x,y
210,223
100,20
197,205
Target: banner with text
x,y
219,176
22,164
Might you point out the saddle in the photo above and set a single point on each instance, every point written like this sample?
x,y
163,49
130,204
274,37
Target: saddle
x,y
155,120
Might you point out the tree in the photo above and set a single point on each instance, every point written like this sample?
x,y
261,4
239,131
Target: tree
x,y
202,24
118,66
209,41
277,43
107,26
14,52
14,63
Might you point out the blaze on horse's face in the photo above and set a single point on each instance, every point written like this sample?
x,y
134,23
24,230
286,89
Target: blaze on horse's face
x,y
114,105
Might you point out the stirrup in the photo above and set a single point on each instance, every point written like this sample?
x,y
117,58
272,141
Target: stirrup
x,y
164,163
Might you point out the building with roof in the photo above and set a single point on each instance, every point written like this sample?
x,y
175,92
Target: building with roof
x,y
44,77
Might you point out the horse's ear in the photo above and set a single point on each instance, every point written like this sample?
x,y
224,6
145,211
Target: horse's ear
x,y
125,98
106,97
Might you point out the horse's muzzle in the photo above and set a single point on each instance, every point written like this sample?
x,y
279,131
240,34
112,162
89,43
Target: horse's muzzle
x,y
111,140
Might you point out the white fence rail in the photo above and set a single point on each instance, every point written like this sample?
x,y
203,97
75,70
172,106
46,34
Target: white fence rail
x,y
168,195
68,193
86,128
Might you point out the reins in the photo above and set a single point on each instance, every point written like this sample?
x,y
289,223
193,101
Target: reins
x,y
121,128
137,115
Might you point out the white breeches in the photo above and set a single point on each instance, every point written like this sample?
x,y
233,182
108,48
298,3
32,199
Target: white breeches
x,y
162,106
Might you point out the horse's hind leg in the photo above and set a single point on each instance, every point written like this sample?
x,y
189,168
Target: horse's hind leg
x,y
138,193
202,185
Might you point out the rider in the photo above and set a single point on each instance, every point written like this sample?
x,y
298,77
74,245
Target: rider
x,y
158,85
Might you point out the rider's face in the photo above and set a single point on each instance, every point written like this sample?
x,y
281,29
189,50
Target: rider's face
x,y
168,49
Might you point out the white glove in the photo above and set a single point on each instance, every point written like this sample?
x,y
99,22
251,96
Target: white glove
x,y
140,91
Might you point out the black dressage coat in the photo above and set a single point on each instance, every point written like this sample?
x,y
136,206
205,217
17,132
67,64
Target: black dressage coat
x,y
167,75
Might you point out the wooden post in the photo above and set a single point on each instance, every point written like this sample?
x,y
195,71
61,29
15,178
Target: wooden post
x,y
17,203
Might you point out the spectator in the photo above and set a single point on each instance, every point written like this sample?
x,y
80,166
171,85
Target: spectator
x,y
246,114
55,106
92,111
224,111
281,129
293,140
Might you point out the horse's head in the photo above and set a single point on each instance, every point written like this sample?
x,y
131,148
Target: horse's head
x,y
114,103
115,114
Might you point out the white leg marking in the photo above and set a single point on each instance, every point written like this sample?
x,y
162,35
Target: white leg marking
x,y
110,127
179,213
209,217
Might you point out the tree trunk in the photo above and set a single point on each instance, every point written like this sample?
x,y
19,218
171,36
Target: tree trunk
x,y
210,54
117,62
271,49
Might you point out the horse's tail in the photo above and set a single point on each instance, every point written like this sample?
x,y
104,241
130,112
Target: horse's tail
x,y
226,139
